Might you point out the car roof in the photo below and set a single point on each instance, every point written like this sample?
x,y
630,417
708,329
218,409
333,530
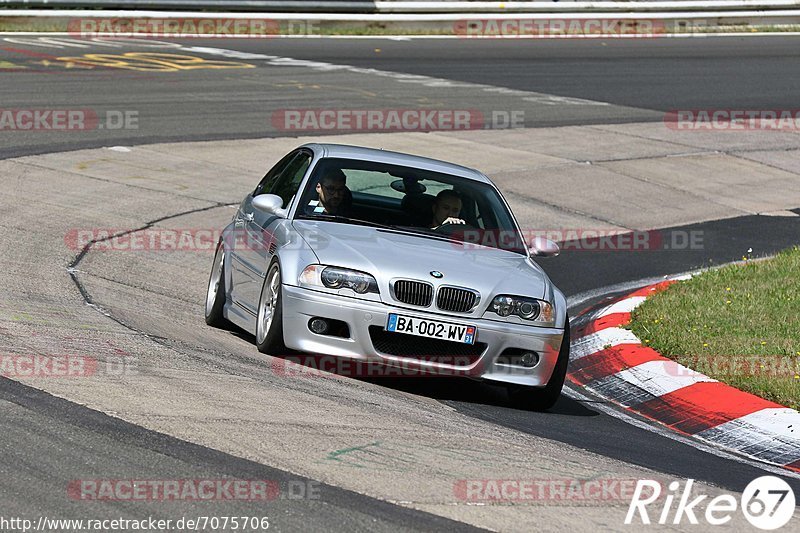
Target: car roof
x,y
386,156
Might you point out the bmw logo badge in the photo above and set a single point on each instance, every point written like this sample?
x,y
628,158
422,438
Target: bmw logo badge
x,y
436,274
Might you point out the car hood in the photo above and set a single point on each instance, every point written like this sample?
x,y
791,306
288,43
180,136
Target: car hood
x,y
387,254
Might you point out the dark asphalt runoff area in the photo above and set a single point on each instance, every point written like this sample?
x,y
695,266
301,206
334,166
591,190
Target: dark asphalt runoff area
x,y
641,79
49,444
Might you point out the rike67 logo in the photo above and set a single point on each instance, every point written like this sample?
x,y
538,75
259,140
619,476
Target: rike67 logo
x,y
767,502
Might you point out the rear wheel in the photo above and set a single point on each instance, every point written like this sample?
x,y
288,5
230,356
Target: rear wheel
x,y
215,295
269,324
543,398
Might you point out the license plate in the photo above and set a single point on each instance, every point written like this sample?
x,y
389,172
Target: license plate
x,y
432,329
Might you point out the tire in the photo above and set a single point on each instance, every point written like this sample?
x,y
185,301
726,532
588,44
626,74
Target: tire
x,y
543,398
269,323
215,294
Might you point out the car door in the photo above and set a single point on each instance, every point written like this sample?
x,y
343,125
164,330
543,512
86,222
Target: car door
x,y
257,246
242,272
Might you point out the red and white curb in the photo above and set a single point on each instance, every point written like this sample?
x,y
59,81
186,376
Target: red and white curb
x,y
611,362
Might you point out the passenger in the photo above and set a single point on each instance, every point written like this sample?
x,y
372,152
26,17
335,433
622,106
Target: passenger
x,y
446,209
333,194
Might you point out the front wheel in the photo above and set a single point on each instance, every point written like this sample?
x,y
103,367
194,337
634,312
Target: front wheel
x,y
215,295
269,324
543,398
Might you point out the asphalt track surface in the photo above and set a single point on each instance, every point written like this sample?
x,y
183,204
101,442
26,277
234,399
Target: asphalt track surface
x,y
39,425
652,73
751,72
630,80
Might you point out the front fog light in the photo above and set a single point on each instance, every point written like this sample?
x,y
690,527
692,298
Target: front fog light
x,y
529,359
318,326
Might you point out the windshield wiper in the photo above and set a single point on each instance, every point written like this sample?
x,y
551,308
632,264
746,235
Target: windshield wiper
x,y
340,218
396,229
427,234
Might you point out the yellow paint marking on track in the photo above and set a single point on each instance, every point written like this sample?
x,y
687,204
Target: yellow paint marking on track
x,y
152,62
68,64
9,64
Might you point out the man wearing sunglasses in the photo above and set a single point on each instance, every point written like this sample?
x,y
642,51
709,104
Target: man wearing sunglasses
x,y
333,195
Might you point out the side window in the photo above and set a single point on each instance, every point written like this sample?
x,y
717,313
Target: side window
x,y
289,182
268,181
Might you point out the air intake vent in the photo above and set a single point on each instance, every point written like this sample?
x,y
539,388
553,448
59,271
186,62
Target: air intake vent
x,y
413,292
420,348
456,300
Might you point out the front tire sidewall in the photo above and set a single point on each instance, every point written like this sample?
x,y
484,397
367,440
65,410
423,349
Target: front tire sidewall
x,y
272,339
214,312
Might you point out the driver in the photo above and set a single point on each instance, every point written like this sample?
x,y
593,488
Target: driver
x,y
332,193
446,209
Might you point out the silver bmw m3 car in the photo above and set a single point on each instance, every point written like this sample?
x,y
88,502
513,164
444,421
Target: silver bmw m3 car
x,y
394,260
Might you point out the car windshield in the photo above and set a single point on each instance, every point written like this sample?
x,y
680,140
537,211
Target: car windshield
x,y
412,200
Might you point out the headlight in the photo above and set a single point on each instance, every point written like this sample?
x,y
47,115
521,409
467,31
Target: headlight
x,y
526,308
338,278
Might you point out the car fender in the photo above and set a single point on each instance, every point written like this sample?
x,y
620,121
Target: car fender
x,y
292,251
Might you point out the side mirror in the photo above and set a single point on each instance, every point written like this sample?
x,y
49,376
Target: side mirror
x,y
542,247
271,204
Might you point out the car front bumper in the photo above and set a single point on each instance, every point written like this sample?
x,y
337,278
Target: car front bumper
x,y
300,305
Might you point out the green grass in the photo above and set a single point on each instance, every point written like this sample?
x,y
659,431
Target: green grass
x,y
739,324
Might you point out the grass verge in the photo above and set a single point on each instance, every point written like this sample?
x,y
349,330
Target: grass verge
x,y
739,324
